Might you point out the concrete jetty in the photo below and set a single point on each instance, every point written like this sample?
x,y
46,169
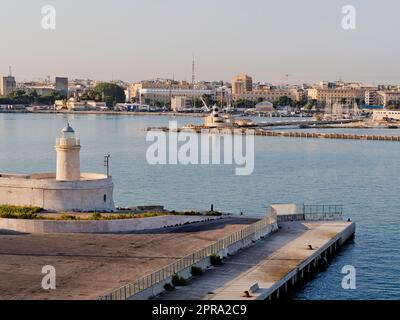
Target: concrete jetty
x,y
273,267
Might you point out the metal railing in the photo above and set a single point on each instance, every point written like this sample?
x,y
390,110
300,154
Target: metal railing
x,y
323,209
293,212
158,276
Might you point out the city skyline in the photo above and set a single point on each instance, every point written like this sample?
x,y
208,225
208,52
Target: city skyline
x,y
104,41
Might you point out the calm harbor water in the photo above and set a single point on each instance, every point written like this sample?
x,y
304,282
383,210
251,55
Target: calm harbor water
x,y
361,175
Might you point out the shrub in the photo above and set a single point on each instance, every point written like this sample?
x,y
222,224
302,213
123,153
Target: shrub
x,y
69,217
150,214
28,215
168,287
8,215
214,213
96,216
177,280
215,259
19,212
196,271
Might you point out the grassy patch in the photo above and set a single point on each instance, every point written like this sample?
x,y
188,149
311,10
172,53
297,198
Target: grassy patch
x,y
19,212
69,217
96,216
25,212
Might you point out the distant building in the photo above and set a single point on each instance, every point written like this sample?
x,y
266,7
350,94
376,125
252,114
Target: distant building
x,y
242,84
41,90
385,114
61,86
8,107
336,95
73,104
265,106
7,85
386,96
371,97
127,95
271,94
163,91
180,103
126,107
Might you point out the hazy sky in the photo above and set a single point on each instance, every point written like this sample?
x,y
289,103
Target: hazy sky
x,y
133,40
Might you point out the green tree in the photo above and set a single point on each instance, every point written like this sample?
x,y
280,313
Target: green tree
x,y
242,103
283,101
110,93
393,105
20,97
310,104
207,99
86,96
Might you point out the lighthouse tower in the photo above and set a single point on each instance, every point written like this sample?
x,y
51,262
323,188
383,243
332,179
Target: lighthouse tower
x,y
67,148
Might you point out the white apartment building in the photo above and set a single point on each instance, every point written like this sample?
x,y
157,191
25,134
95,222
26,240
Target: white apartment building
x,y
270,94
385,114
386,96
164,95
336,95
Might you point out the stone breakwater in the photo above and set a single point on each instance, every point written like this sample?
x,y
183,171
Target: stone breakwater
x,y
288,134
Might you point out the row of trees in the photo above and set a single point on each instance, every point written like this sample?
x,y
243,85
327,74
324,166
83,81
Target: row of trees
x,y
109,93
31,97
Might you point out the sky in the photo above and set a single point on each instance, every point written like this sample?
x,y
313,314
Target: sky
x,y
135,40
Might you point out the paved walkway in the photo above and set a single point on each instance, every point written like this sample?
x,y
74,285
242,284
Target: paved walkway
x,y
265,263
90,265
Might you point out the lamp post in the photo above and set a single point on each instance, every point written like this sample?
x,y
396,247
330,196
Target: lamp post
x,y
107,164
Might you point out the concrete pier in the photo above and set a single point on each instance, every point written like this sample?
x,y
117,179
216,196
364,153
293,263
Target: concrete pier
x,y
273,267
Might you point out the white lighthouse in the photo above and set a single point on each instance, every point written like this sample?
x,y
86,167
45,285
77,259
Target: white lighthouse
x,y
68,164
67,189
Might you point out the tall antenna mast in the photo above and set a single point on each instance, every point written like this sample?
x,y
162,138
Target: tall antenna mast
x,y
9,71
193,73
193,80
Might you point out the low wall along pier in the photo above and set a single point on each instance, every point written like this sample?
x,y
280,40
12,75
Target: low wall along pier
x,y
99,226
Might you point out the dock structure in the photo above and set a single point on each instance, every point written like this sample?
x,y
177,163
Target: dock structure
x,y
273,267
